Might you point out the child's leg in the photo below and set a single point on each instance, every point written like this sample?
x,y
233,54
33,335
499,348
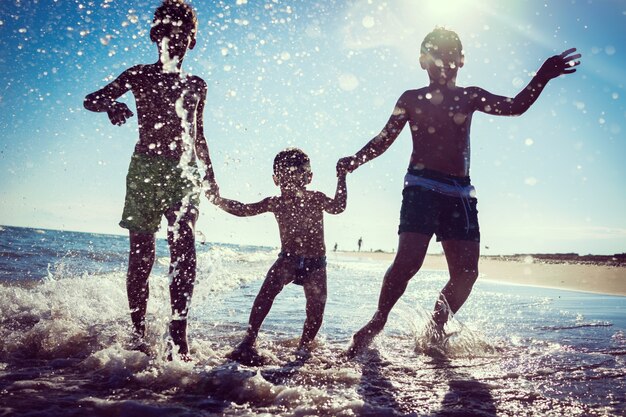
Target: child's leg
x,y
315,293
277,277
140,261
462,257
181,240
409,258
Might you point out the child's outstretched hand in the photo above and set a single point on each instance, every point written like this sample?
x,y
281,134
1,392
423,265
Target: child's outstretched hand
x,y
119,113
559,64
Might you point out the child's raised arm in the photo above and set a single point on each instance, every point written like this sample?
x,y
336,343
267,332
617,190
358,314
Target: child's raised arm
x,y
338,204
381,142
105,99
554,66
242,209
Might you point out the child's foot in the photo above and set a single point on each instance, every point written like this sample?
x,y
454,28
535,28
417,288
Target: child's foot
x,y
303,354
247,355
178,333
360,341
436,336
139,344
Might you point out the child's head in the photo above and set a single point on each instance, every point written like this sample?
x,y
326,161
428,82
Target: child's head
x,y
442,55
175,21
292,169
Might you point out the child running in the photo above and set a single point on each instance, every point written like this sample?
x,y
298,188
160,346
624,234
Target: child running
x,y
438,197
163,178
302,259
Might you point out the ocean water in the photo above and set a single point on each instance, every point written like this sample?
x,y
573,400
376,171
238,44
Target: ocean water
x,y
514,350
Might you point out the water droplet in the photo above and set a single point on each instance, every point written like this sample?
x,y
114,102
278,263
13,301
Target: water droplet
x,y
348,82
368,22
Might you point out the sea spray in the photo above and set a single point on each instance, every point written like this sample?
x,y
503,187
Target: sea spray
x,y
65,345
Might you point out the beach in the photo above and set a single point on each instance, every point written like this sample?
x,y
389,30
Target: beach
x,y
527,270
66,347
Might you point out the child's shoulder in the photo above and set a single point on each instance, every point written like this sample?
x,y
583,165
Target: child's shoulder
x,y
315,196
134,71
411,96
196,83
196,80
464,94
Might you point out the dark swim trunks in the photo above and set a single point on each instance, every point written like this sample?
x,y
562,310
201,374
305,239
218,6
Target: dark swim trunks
x,y
304,266
153,185
440,204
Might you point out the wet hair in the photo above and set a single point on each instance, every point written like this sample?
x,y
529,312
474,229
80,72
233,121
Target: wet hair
x,y
290,158
173,13
440,37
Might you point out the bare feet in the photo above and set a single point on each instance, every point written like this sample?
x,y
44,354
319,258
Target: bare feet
x,y
139,344
303,354
361,340
178,333
247,355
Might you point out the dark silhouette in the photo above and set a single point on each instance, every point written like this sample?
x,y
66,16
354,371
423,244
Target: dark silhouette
x,y
335,248
302,260
465,395
376,390
163,178
359,243
438,197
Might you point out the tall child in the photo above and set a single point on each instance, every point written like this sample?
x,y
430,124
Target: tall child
x,y
163,178
438,197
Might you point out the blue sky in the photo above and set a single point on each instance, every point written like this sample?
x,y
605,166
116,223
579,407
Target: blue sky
x,y
324,76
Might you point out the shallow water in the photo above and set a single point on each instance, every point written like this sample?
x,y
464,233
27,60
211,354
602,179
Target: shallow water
x,y
514,350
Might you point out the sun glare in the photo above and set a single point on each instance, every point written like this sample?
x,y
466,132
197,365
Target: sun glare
x,y
450,9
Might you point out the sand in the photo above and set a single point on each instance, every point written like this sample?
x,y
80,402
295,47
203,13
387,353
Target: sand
x,y
601,279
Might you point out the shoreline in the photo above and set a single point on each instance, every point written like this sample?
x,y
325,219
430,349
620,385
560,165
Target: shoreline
x,y
529,271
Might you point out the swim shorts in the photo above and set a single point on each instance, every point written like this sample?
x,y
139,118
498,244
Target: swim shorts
x,y
304,266
155,184
440,204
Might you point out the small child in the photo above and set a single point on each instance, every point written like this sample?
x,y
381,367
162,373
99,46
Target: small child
x,y
302,260
163,178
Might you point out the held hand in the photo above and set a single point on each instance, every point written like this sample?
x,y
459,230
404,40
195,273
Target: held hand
x,y
559,64
119,113
213,198
212,191
347,164
341,170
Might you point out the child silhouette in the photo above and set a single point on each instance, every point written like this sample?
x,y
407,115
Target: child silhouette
x,y
163,178
302,259
438,197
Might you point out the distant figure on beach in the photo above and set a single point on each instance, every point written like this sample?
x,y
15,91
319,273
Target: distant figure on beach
x,y
359,243
163,177
335,248
302,259
438,197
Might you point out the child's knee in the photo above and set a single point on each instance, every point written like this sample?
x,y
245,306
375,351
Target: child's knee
x,y
465,278
405,269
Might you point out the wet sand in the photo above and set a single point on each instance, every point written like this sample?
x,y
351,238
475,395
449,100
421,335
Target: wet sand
x,y
595,278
